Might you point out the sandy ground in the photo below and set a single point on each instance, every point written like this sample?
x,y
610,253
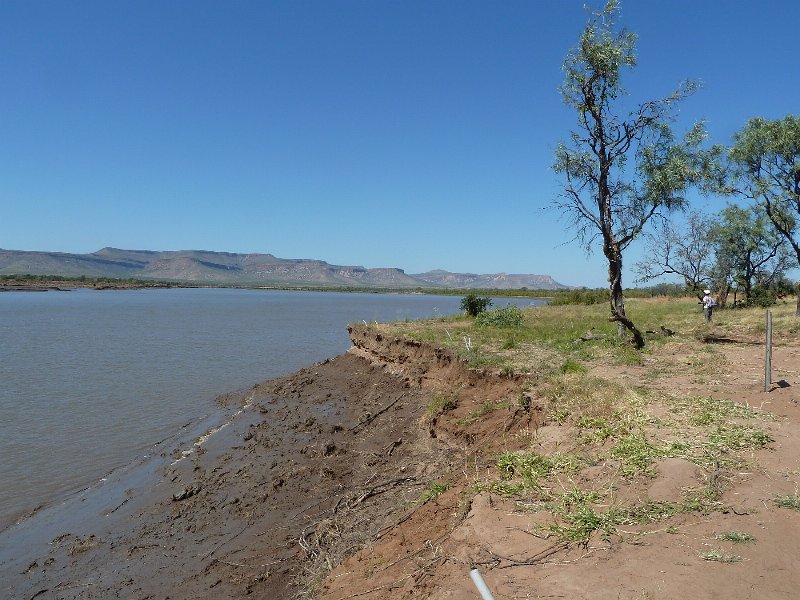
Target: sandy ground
x,y
318,482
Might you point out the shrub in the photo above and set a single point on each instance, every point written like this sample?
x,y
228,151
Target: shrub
x,y
583,296
508,317
474,305
762,297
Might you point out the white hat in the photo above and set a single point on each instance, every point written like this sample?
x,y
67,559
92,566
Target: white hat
x,y
706,291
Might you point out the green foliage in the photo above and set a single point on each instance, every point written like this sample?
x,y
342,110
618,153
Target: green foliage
x,y
737,537
732,436
440,403
705,410
720,556
509,317
762,296
480,359
766,160
532,467
750,254
435,490
636,453
582,296
791,502
509,343
572,366
584,520
580,516
474,305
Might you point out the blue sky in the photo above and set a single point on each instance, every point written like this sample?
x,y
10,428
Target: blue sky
x,y
414,134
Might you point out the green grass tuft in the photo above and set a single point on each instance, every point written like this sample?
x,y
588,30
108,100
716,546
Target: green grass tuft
x,y
719,556
737,537
435,490
792,502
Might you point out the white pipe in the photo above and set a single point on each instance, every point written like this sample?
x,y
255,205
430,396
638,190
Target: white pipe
x,y
480,584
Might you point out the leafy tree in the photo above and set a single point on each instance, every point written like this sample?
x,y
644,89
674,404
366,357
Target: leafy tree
x,y
686,251
474,305
766,160
750,254
621,167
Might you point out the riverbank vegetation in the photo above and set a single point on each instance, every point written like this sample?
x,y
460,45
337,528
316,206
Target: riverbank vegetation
x,y
572,360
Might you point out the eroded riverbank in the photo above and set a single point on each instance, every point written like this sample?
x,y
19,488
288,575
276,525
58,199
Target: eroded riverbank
x,y
390,471
303,475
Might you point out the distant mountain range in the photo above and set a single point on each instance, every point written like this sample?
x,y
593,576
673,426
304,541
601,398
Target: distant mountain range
x,y
199,266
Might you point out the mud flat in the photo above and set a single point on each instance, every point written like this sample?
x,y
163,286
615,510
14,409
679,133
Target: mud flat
x,y
301,472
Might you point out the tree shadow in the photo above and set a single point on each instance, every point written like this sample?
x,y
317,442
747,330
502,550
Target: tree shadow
x,y
714,339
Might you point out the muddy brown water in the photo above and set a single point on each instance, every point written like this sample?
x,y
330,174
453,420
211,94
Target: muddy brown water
x,y
91,380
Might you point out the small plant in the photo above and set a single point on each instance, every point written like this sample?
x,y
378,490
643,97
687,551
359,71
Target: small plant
x,y
435,490
719,556
485,408
474,305
737,437
597,429
572,366
509,317
479,359
792,502
510,343
532,467
440,404
737,537
635,452
582,522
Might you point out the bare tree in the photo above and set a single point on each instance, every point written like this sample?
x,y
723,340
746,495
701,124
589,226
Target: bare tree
x,y
686,251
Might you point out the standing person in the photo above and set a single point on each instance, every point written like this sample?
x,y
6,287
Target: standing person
x,y
708,304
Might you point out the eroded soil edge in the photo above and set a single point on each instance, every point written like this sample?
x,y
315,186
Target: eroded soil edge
x,y
317,466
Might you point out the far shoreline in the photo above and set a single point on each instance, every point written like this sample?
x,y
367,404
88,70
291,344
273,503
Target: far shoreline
x,y
46,283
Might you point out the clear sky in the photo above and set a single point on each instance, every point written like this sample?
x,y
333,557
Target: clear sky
x,y
416,134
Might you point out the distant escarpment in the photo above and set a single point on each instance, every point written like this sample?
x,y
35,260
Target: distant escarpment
x,y
225,268
495,281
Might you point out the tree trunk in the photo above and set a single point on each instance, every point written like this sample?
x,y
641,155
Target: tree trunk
x,y
617,301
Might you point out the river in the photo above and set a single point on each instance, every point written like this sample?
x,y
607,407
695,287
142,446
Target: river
x,y
90,379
